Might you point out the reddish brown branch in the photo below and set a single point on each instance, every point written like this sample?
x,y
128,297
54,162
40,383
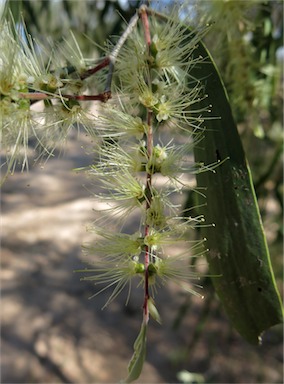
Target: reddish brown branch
x,y
145,21
108,61
92,71
37,96
104,97
146,26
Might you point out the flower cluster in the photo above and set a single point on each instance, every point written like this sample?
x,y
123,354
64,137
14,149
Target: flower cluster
x,y
143,140
147,132
27,74
144,136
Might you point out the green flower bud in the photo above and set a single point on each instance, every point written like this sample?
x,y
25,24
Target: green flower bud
x,y
155,216
153,310
152,269
153,47
155,162
139,268
49,83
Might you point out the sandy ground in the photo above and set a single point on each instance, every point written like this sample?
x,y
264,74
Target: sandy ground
x,y
52,333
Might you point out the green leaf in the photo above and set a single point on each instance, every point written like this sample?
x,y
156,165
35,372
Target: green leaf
x,y
237,245
136,363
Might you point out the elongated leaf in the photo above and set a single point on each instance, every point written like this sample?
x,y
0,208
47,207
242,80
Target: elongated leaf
x,y
136,363
238,248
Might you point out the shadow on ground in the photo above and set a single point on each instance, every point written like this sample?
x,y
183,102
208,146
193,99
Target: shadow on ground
x,y
52,333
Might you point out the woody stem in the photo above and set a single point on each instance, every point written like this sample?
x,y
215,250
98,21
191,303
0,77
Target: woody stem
x,y
145,22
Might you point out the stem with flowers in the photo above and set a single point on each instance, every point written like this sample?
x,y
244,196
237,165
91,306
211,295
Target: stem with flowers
x,y
145,128
149,146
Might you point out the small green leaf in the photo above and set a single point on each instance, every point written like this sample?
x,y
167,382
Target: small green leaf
x,y
153,311
136,363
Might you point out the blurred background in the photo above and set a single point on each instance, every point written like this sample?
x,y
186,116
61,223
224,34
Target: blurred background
x,y
50,331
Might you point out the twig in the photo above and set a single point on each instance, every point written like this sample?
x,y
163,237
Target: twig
x,y
108,61
145,22
91,71
113,56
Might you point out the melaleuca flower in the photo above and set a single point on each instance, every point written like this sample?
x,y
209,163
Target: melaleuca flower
x,y
60,118
114,158
171,161
15,135
155,214
118,270
70,51
116,276
123,193
116,123
36,61
171,49
115,245
172,268
157,239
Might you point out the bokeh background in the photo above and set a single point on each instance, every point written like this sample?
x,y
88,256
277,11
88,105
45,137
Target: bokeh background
x,y
50,331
